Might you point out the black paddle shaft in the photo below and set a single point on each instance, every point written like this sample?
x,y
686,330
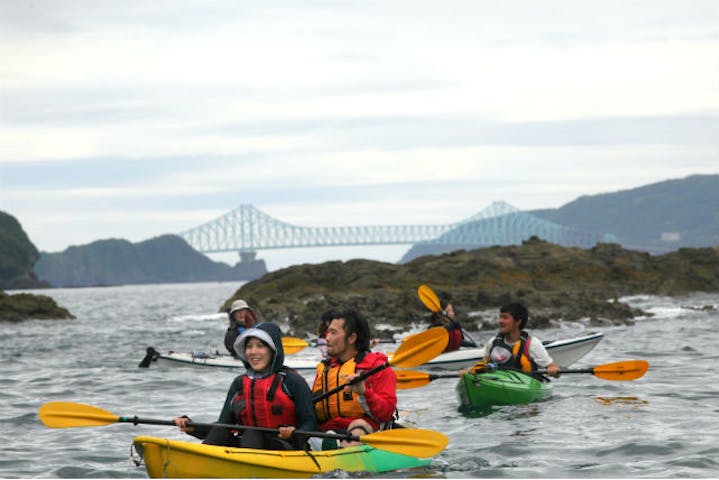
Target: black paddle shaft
x,y
154,421
361,378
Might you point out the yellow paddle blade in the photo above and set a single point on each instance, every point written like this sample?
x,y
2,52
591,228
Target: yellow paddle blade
x,y
626,370
414,442
420,348
69,414
429,298
293,345
407,379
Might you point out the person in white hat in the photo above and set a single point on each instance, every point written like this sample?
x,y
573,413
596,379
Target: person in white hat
x,y
241,318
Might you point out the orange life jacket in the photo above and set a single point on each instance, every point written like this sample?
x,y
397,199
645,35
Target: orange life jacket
x,y
343,403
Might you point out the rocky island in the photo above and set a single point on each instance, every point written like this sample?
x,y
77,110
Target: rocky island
x,y
17,257
556,283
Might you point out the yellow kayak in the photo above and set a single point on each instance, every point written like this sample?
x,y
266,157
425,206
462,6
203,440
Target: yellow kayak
x,y
178,459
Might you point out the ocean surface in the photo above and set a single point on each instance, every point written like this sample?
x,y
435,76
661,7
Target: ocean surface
x,y
664,425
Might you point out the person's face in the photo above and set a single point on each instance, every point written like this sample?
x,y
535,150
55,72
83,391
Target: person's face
x,y
507,323
241,316
258,354
338,343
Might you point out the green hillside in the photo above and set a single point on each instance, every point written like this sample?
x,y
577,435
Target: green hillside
x,y
660,216
17,255
656,218
164,259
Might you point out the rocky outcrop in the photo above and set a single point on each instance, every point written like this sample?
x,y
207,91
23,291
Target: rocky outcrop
x,y
556,284
17,256
26,306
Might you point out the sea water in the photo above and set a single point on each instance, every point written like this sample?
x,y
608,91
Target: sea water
x,y
665,424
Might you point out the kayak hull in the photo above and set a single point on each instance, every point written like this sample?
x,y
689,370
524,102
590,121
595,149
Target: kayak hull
x,y
178,459
501,387
563,352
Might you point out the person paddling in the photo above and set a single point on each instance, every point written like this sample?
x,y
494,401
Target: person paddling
x,y
268,395
513,347
366,406
241,317
454,328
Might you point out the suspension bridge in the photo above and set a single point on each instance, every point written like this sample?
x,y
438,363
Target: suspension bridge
x,y
247,229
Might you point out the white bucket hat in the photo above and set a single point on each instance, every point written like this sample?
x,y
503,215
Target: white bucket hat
x,y
239,305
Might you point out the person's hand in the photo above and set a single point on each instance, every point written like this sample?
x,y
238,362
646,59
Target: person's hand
x,y
374,342
358,387
449,311
286,431
182,423
553,370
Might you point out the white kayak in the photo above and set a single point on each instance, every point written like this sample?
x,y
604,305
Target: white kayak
x,y
563,352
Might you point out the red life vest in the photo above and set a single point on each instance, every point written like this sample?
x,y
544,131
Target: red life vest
x,y
262,402
454,330
455,339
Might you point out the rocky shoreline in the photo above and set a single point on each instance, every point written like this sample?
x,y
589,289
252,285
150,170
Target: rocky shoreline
x,y
26,306
556,283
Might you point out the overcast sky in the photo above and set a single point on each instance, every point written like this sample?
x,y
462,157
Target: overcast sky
x,y
132,119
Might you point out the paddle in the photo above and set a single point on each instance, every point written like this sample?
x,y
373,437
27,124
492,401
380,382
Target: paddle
x,y
313,342
431,301
407,379
413,351
619,371
293,345
407,441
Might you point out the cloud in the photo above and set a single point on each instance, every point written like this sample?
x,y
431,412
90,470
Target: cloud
x,y
132,119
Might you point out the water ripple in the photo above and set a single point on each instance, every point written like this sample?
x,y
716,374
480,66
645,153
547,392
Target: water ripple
x,y
664,425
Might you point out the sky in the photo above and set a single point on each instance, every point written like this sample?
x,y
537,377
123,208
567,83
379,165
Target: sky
x,y
134,119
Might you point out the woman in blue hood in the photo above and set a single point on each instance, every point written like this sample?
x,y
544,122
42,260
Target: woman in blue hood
x,y
267,395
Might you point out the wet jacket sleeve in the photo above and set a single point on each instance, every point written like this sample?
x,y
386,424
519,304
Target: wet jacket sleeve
x,y
230,337
304,407
381,390
227,415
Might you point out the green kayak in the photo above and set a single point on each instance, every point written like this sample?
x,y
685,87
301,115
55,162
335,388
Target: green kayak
x,y
500,387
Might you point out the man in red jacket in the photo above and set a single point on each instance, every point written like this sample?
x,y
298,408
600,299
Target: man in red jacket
x,y
364,407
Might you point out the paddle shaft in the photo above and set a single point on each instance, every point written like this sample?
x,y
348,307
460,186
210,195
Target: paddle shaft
x,y
155,421
384,340
414,350
471,341
624,370
437,376
362,376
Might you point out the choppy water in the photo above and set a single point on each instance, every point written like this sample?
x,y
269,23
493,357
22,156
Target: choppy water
x,y
663,425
